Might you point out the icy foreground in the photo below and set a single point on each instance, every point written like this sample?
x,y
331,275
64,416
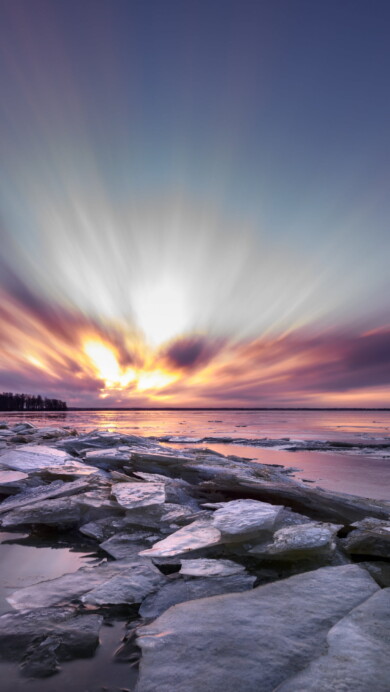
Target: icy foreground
x,y
274,585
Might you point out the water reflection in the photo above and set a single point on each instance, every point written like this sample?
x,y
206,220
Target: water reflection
x,y
26,560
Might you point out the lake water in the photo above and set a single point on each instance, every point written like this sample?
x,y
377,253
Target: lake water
x,y
364,470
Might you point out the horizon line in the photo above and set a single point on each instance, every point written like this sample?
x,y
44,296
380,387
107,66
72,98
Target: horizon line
x,y
228,408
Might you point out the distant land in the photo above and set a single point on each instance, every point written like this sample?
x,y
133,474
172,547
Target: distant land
x,y
231,408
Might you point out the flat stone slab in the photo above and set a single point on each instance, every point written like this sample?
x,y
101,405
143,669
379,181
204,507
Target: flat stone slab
x,y
358,656
57,489
249,641
78,635
210,568
244,518
199,534
181,590
123,546
299,542
59,512
135,495
132,586
11,481
32,458
67,588
369,537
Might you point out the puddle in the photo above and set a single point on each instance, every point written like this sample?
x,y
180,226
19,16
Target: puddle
x,y
25,561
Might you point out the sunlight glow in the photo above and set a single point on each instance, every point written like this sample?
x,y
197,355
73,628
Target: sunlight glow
x,y
107,366
161,311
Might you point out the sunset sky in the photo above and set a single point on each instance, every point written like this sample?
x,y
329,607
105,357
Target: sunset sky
x,y
195,202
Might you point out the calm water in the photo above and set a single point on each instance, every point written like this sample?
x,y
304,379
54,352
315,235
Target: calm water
x,y
363,472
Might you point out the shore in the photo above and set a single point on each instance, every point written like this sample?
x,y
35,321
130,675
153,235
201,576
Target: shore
x,y
287,570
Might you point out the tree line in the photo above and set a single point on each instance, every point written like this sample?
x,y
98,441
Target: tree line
x,y
30,402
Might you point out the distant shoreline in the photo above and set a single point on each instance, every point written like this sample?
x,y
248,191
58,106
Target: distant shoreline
x,y
229,408
189,408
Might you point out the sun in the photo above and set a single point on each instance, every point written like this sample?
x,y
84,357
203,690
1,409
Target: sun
x,y
105,364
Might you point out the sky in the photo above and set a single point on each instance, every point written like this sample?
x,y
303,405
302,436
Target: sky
x,y
194,202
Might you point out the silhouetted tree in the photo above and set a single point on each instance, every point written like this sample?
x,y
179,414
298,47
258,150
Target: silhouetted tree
x,y
30,402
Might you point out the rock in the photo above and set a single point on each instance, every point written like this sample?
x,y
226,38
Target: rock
x,y
107,458
210,568
199,534
19,439
241,519
21,427
369,537
299,542
358,655
32,458
11,482
248,641
319,504
181,590
122,546
136,495
77,636
70,470
3,425
62,512
40,659
379,570
50,433
69,587
42,493
133,586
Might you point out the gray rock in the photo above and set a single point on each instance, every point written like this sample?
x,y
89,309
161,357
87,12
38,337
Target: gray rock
x,y
42,493
103,528
21,427
70,470
138,494
32,458
239,519
133,586
379,570
299,542
358,656
69,587
180,590
369,537
249,641
20,632
11,482
210,568
199,534
107,458
123,546
40,659
61,512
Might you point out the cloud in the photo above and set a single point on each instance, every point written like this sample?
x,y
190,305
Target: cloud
x,y
191,352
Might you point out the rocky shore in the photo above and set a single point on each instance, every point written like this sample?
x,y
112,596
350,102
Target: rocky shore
x,y
233,575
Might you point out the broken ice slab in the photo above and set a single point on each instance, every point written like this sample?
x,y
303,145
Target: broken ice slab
x,y
199,534
210,568
299,542
32,458
241,518
135,495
